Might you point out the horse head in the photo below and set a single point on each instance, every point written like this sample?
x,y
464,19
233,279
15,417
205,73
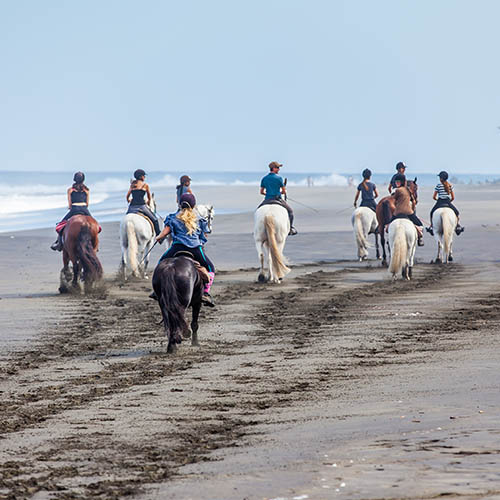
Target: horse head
x,y
413,188
152,203
206,212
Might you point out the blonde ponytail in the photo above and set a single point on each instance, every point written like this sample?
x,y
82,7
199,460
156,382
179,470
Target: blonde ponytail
x,y
190,220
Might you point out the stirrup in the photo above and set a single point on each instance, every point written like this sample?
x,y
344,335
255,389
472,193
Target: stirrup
x,y
459,229
292,231
420,241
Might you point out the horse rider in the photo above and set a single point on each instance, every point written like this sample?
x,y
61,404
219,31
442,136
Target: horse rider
x,y
135,197
183,188
368,191
444,195
188,235
272,187
401,169
405,206
78,201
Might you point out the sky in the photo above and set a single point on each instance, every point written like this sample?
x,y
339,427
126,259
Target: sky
x,y
320,86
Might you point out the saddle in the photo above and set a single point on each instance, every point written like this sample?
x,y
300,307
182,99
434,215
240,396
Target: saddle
x,y
202,272
148,219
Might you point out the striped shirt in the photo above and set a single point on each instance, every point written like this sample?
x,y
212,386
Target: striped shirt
x,y
441,191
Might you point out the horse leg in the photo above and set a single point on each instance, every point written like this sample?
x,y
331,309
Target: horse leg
x,y
382,243
438,258
65,275
262,276
376,245
194,323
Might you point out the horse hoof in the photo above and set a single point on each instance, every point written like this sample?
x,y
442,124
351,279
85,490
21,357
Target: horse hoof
x,y
262,278
172,348
63,289
384,263
450,258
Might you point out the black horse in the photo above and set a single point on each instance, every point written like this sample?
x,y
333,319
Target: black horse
x,y
178,284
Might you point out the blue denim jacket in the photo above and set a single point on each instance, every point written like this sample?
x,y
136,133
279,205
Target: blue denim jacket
x,y
180,234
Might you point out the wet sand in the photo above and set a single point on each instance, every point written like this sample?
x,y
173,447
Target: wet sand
x,y
337,382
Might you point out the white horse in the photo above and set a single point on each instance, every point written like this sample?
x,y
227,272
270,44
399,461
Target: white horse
x,y
403,241
364,222
270,231
444,221
137,237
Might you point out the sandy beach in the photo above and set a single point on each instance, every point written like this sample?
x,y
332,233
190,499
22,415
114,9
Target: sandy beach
x,y
337,383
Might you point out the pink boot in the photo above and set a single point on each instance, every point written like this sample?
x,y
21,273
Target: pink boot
x,y
207,298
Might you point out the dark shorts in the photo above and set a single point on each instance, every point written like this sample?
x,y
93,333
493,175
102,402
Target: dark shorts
x,y
370,204
412,217
440,203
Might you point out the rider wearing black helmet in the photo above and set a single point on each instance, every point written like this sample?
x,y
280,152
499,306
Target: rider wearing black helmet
x,y
78,202
183,188
368,192
444,195
405,205
135,197
401,169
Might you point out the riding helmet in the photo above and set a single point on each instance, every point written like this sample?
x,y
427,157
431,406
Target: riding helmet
x,y
401,178
367,173
187,200
79,177
399,165
443,175
184,179
139,173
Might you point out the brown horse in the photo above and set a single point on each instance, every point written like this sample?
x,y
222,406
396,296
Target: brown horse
x,y
80,242
385,211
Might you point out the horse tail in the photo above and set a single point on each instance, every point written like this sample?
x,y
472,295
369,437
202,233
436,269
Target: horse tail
x,y
399,250
171,308
360,234
131,250
278,261
92,269
447,228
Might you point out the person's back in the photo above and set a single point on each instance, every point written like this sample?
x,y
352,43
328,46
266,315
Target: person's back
x,y
272,183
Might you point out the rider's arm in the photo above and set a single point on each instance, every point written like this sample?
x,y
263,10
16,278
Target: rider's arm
x,y
69,197
390,188
148,193
163,234
283,190
356,197
129,192
87,197
262,190
435,195
375,193
452,194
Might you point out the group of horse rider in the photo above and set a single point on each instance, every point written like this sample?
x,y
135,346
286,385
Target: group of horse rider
x,y
404,200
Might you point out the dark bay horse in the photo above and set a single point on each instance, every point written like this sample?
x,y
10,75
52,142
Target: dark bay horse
x,y
80,242
385,211
178,284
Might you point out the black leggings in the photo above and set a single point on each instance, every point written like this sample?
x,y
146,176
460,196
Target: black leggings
x,y
78,210
370,204
145,210
413,217
197,252
283,203
440,203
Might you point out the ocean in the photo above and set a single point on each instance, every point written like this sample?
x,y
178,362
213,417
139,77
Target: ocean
x,y
33,200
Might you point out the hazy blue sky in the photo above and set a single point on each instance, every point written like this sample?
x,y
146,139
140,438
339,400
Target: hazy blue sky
x,y
189,85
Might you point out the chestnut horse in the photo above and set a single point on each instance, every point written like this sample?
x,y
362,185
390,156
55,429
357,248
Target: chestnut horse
x,y
385,211
80,242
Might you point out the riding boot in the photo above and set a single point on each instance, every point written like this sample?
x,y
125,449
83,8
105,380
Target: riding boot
x,y
207,298
292,231
156,225
430,230
57,246
420,241
459,229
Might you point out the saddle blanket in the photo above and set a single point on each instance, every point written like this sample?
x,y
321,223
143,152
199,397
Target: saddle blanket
x,y
61,225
